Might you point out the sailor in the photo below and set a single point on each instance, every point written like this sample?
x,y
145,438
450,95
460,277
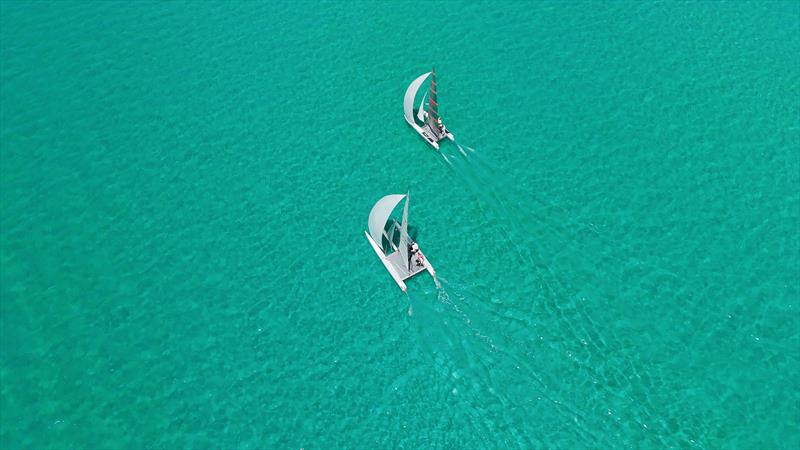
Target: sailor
x,y
412,250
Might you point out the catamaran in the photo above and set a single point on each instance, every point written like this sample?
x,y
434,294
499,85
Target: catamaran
x,y
391,242
427,121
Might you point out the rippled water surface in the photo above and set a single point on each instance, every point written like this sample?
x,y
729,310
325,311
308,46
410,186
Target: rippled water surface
x,y
184,189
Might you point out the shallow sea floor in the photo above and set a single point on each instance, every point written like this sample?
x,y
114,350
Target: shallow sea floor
x,y
184,189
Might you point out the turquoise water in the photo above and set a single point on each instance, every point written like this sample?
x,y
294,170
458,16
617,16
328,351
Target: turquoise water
x,y
184,190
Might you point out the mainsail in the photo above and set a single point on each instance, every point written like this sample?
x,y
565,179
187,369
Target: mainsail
x,y
395,258
411,94
434,122
427,121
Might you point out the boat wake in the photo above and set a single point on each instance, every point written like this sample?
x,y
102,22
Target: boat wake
x,y
479,167
512,210
571,339
484,365
500,349
483,180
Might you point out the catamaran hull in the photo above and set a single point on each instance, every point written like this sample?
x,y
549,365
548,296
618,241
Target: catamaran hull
x,y
429,138
386,263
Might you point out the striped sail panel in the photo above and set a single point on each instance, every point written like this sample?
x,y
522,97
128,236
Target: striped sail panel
x,y
433,107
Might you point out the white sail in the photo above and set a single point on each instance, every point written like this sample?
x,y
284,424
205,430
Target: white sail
x,y
395,258
421,110
411,94
380,214
432,113
404,236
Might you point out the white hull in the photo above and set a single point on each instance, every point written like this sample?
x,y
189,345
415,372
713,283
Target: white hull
x,y
386,263
429,138
425,135
408,112
390,261
403,260
429,267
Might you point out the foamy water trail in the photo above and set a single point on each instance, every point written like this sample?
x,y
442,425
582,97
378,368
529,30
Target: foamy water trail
x,y
472,150
443,296
508,219
497,349
502,201
492,173
446,159
497,191
484,181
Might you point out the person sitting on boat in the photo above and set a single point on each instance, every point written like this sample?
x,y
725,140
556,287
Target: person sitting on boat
x,y
412,250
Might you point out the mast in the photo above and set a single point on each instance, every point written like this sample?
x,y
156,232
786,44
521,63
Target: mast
x,y
404,236
434,122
